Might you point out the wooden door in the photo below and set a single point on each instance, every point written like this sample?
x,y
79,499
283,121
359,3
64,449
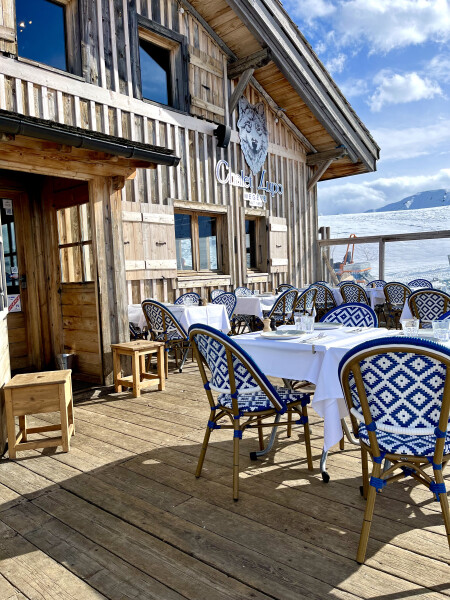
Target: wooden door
x,y
4,346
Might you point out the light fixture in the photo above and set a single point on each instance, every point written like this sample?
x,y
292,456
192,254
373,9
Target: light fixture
x,y
22,24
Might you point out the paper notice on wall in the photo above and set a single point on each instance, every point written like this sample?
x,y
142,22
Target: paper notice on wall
x,y
7,205
14,304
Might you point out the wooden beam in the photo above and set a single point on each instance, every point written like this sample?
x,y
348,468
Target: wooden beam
x,y
244,80
318,174
320,157
394,237
255,61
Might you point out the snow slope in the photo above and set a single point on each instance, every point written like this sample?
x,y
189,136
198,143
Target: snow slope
x,y
426,199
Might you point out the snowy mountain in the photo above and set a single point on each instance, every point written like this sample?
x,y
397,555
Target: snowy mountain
x,y
429,199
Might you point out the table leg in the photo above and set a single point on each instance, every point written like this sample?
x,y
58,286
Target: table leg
x,y
136,375
10,424
160,368
117,370
23,427
323,466
268,448
64,419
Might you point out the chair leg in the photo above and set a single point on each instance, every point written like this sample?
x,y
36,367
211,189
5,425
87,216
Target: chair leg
x,y
365,472
444,505
201,458
260,435
236,464
307,434
183,359
166,362
289,423
368,514
342,443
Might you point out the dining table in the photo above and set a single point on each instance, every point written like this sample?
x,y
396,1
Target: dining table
x,y
255,305
214,315
313,357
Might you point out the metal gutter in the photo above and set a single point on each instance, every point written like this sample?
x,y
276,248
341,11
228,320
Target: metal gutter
x,y
14,124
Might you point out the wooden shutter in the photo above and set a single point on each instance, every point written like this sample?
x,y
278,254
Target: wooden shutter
x,y
5,373
149,238
278,250
8,27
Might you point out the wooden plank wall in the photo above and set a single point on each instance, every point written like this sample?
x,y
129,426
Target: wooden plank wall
x,y
80,329
108,105
18,341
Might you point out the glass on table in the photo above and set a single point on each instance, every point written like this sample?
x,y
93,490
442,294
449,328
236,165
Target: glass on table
x,y
307,323
410,327
441,330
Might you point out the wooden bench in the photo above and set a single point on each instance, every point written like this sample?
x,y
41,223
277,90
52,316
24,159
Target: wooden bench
x,y
140,378
38,393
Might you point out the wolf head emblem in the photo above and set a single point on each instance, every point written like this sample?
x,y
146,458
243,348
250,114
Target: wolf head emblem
x,y
253,133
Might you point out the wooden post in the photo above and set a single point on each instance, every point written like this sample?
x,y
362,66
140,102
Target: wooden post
x,y
381,253
111,280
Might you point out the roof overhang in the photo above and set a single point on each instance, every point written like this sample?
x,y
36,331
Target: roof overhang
x,y
39,145
294,77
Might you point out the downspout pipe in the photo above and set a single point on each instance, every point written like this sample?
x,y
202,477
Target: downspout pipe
x,y
13,124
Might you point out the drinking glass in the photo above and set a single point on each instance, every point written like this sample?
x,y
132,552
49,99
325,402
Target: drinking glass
x,y
410,327
441,330
298,320
307,323
188,302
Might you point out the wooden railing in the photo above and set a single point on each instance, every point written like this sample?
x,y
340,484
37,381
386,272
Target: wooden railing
x,y
325,242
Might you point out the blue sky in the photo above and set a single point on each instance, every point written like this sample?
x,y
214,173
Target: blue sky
x,y
391,59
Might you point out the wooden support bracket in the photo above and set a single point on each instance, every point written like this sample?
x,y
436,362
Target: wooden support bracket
x,y
239,89
321,168
320,157
254,61
118,182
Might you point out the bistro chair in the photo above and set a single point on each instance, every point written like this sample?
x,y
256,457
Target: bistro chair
x,y
284,287
243,291
352,292
214,293
398,394
281,312
423,284
325,283
136,333
376,283
428,305
324,299
352,315
306,301
165,327
245,395
229,301
191,297
444,317
396,294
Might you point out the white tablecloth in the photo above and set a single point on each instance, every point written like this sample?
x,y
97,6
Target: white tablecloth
x,y
291,359
212,314
254,305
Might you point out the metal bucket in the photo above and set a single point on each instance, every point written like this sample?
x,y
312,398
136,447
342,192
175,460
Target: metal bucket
x,y
64,361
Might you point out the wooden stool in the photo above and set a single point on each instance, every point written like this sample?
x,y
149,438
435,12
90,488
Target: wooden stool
x,y
38,393
138,350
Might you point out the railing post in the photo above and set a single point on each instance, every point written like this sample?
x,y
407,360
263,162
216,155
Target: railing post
x,y
381,254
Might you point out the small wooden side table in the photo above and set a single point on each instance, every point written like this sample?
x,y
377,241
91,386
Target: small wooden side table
x,y
140,378
38,393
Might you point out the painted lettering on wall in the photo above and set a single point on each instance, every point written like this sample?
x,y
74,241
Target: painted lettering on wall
x,y
260,185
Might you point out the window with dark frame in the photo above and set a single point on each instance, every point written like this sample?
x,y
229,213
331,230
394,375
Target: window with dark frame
x,y
161,70
250,243
10,253
75,244
41,32
196,239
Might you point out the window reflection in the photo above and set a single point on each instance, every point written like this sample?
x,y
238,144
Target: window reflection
x,y
208,243
183,240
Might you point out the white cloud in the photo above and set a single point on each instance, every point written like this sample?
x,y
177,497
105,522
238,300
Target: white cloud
x,y
336,64
411,142
388,24
394,88
339,198
309,9
439,68
354,87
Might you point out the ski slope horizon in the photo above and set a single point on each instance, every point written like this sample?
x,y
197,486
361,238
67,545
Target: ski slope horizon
x,y
404,261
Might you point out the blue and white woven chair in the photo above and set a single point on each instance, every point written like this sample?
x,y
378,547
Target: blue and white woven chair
x,y
428,305
396,295
306,301
352,315
444,317
324,299
281,312
214,293
191,298
163,326
398,394
376,283
284,287
325,283
229,301
243,291
246,397
423,284
352,292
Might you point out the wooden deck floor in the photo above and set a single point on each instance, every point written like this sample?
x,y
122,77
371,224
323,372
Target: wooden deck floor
x,y
123,517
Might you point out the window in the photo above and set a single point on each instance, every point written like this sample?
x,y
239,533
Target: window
x,y
41,32
197,241
10,252
75,244
250,243
163,75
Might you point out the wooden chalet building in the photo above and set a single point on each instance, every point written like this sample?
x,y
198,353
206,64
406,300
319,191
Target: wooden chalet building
x,y
123,175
